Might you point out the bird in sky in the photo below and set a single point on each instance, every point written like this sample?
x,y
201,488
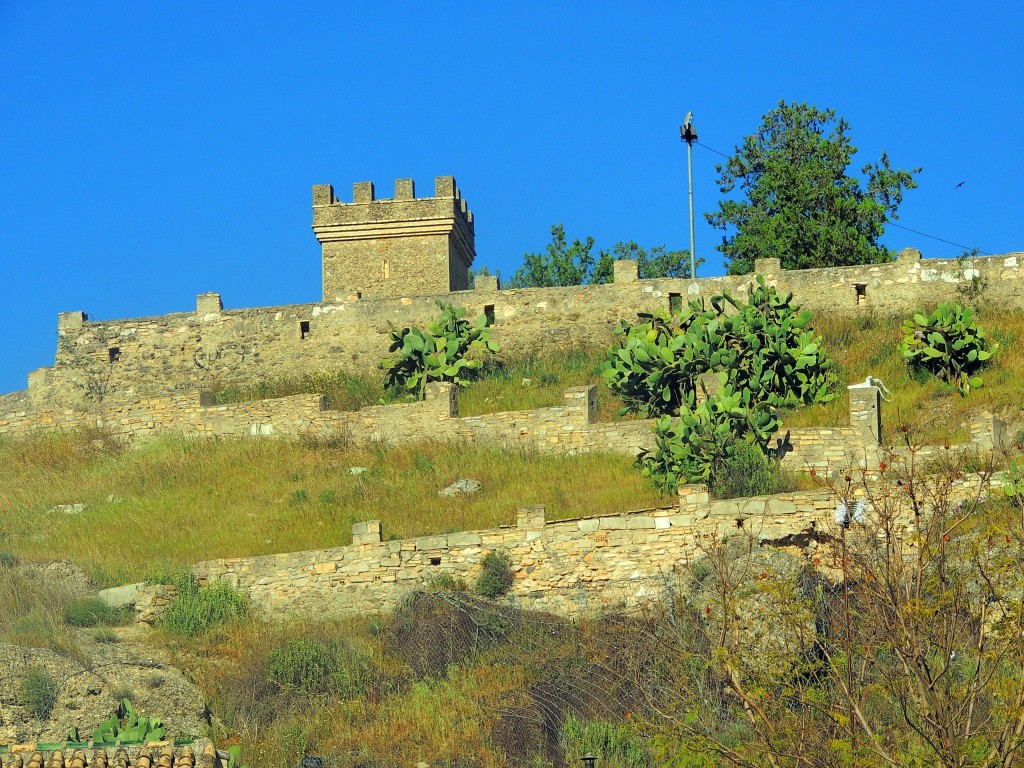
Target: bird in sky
x,y
959,185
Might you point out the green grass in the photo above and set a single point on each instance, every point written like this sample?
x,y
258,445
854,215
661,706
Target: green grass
x,y
344,391
180,501
32,611
93,612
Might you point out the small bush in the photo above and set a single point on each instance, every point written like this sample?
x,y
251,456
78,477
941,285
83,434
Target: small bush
x,y
446,582
199,609
8,559
748,472
105,635
495,577
40,692
316,666
92,612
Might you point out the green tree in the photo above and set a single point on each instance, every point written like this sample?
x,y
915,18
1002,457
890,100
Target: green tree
x,y
560,264
797,202
652,263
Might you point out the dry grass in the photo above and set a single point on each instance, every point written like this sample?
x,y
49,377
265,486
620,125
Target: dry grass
x,y
178,501
31,611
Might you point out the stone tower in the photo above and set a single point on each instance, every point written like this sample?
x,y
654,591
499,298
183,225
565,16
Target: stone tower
x,y
399,247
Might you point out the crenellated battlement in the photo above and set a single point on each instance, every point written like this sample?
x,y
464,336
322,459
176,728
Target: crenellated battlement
x,y
390,260
395,246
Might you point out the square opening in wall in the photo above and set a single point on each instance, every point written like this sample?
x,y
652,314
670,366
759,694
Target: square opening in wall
x,y
435,561
386,270
675,303
861,292
489,313
114,354
303,329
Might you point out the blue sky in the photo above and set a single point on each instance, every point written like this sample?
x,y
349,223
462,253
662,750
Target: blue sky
x,y
153,151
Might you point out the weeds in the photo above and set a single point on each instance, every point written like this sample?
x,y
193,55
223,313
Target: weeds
x,y
92,612
39,690
199,609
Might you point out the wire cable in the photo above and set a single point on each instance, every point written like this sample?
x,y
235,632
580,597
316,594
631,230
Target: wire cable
x,y
889,223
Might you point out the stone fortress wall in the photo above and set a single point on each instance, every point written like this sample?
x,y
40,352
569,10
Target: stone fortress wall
x,y
389,261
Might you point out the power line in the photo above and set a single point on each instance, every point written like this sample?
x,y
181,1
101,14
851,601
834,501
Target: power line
x,y
933,237
710,149
890,223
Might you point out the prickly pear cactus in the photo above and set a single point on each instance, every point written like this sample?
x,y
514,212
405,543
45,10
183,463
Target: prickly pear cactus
x,y
949,344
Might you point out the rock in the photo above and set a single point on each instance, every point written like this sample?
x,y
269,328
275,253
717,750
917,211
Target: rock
x,y
462,488
357,470
69,509
62,574
121,597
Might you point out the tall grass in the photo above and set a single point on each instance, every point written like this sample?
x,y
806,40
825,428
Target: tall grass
x,y
179,501
344,391
32,611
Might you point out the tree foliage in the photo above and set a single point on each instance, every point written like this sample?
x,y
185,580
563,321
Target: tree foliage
x,y
560,264
796,202
563,263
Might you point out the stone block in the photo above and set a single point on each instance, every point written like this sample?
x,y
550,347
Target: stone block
x,y
405,189
486,283
362,192
463,539
625,271
431,542
71,321
588,525
208,304
367,532
530,518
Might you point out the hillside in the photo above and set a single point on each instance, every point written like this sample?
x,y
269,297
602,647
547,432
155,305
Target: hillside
x,y
451,678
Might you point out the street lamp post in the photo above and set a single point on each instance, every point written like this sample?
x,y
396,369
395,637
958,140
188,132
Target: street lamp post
x,y
689,134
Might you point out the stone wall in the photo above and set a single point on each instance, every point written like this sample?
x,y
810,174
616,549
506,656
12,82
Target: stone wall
x,y
103,362
567,567
585,565
568,429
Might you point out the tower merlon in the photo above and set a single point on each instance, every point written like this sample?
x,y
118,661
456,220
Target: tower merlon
x,y
71,321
